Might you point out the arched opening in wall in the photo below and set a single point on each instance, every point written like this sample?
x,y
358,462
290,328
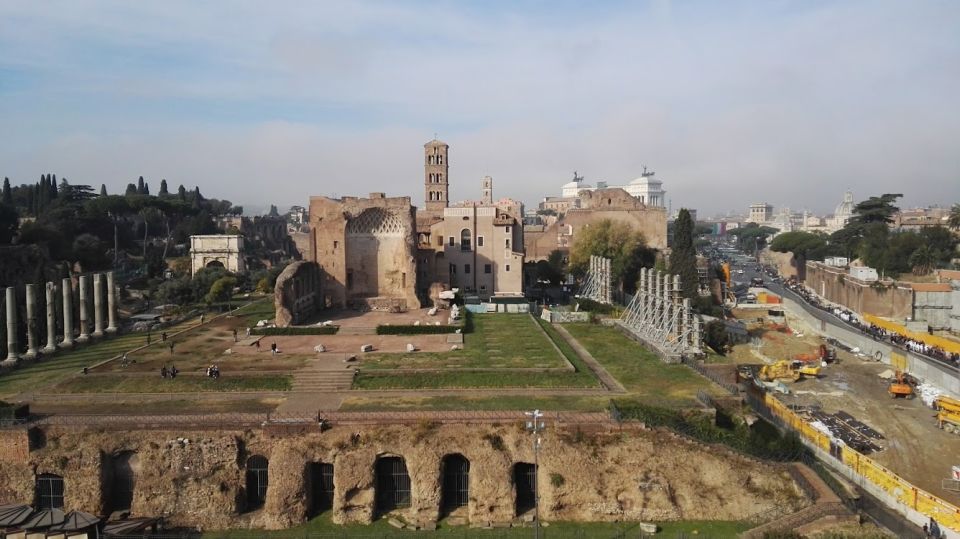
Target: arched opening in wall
x,y
454,483
257,481
392,484
48,491
123,468
525,481
214,264
319,488
465,239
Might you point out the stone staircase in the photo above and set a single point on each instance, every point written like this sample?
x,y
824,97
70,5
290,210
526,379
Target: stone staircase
x,y
353,330
322,380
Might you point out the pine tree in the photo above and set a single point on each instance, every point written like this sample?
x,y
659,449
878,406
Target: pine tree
x,y
103,189
163,188
131,190
196,194
7,192
140,190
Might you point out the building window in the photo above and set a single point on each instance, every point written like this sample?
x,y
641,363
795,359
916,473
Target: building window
x,y
507,267
508,230
439,159
453,269
439,241
507,243
336,244
349,279
479,241
465,239
487,268
466,268
452,241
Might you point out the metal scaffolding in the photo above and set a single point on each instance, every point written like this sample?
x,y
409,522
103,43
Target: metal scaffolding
x,y
596,285
661,317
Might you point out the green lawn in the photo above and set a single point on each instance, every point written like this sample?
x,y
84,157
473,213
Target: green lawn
x,y
380,529
646,377
501,341
182,384
64,364
498,340
500,402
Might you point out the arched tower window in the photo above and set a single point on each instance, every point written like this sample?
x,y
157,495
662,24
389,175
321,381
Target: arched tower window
x,y
465,238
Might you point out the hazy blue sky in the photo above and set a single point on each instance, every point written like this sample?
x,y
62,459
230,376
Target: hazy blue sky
x,y
790,102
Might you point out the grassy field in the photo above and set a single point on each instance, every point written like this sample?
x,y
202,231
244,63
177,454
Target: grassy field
x,y
553,530
135,405
182,384
497,341
645,377
500,402
64,364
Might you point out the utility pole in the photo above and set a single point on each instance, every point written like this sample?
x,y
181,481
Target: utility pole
x,y
535,426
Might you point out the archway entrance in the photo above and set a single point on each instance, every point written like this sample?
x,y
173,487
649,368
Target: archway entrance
x,y
319,488
214,264
257,481
392,484
455,483
525,480
122,468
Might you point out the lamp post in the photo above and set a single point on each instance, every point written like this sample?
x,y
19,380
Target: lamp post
x,y
535,426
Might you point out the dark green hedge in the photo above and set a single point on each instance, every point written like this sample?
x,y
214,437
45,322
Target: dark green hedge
x,y
416,330
317,330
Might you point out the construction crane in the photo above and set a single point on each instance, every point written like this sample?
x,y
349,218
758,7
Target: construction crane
x,y
948,413
899,387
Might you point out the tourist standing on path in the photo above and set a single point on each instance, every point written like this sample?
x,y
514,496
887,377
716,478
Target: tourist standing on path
x,y
171,348
234,334
201,317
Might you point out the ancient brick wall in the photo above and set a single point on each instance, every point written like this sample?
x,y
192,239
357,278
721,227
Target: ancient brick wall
x,y
298,293
199,479
886,299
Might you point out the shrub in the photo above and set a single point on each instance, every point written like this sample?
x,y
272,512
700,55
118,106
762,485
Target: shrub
x,y
557,480
416,330
496,442
594,306
316,330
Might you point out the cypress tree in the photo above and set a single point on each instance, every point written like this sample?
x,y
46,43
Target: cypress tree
x,y
103,189
31,200
140,188
683,257
163,188
131,189
182,193
53,187
7,192
43,192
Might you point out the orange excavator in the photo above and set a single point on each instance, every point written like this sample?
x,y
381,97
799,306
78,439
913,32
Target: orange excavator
x,y
823,353
899,387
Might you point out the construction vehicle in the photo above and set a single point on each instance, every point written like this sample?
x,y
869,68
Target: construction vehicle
x,y
899,387
948,413
823,353
788,370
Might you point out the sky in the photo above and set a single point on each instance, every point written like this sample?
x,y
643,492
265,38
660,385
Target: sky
x,y
786,102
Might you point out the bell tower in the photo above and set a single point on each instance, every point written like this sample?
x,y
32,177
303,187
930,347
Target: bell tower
x,y
435,175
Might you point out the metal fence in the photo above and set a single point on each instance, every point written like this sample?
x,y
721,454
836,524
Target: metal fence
x,y
628,531
695,365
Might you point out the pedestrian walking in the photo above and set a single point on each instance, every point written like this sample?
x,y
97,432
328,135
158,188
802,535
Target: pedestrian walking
x,y
148,338
234,334
258,345
163,337
171,348
273,348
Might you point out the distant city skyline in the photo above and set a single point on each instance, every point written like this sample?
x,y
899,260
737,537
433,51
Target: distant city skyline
x,y
790,103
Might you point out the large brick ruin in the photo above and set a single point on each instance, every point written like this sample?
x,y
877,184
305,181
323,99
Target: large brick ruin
x,y
298,293
418,473
367,248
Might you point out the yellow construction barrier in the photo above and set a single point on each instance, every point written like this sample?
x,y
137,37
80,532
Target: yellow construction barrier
x,y
944,513
943,343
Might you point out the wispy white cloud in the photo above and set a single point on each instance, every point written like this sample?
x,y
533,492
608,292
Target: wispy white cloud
x,y
791,102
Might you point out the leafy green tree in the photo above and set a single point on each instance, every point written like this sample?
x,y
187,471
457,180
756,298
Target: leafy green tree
x,y
221,290
940,241
551,270
752,237
879,209
131,190
683,257
804,246
874,248
177,291
923,260
617,241
9,223
182,193
954,220
715,335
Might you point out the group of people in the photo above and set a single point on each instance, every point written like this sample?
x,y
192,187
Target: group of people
x,y
874,331
170,372
213,371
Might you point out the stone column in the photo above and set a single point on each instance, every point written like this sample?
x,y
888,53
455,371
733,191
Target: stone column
x,y
84,309
51,319
696,333
97,305
111,304
67,314
31,322
12,344
685,325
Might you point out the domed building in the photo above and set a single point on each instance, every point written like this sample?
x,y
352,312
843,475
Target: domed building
x,y
648,190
